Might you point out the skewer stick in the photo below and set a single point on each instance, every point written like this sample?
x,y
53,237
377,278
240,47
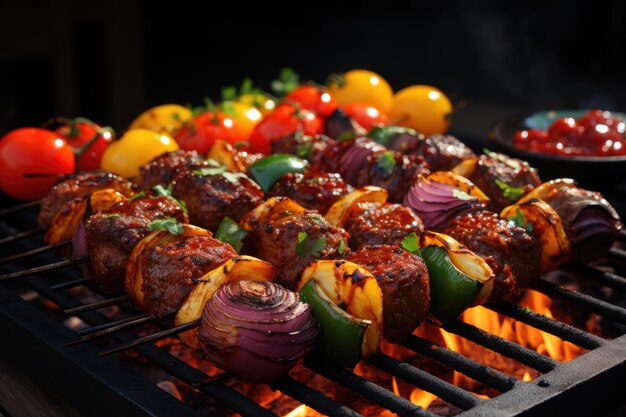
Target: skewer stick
x,y
20,235
213,379
94,329
19,207
618,253
622,235
44,268
109,328
151,338
34,252
98,304
73,283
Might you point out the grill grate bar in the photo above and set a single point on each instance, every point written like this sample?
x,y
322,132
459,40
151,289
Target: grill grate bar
x,y
368,389
20,235
73,283
19,207
539,321
585,301
313,398
423,380
618,253
604,277
36,251
460,363
44,268
512,350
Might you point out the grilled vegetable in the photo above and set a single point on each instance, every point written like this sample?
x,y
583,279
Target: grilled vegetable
x,y
339,212
348,304
458,277
540,219
230,232
224,154
268,170
236,269
257,330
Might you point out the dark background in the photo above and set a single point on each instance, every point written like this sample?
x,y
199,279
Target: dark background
x,y
108,61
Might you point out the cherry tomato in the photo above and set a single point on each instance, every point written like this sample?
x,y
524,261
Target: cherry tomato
x,y
30,161
283,121
201,132
311,97
566,130
79,134
362,86
166,118
422,107
246,116
134,149
367,117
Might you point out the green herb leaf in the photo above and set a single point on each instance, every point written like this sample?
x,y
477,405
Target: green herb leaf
x,y
169,224
288,80
138,195
386,161
346,135
462,195
159,190
513,163
229,93
509,192
110,216
303,150
520,221
527,310
342,247
210,171
410,244
306,248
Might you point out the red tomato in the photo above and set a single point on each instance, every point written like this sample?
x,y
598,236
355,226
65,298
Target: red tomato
x,y
285,120
311,97
201,132
81,135
365,115
30,161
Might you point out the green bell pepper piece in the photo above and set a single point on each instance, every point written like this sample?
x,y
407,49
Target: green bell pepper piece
x,y
268,170
384,135
230,232
451,291
341,334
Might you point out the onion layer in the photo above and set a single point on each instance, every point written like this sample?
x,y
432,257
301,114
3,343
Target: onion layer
x,y
437,203
257,330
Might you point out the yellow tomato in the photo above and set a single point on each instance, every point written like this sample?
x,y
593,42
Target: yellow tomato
x,y
259,100
362,87
134,149
246,115
166,118
422,107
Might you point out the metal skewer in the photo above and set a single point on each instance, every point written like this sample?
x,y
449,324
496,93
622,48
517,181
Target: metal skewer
x,y
151,338
109,328
73,283
20,235
98,304
44,268
618,253
34,252
19,207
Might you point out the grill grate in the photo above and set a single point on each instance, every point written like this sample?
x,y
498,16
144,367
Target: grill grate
x,y
560,383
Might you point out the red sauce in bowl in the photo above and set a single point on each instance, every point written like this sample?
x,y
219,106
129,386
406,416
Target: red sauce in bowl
x,y
595,134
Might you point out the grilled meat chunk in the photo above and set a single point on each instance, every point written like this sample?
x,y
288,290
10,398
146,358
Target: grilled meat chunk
x,y
168,270
76,186
442,152
512,253
503,179
364,162
292,238
381,224
306,147
163,168
112,234
404,281
211,197
312,190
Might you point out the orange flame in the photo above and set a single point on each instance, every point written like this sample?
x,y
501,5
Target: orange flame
x,y
300,411
421,398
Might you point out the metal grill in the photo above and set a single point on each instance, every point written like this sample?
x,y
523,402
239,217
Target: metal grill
x,y
590,382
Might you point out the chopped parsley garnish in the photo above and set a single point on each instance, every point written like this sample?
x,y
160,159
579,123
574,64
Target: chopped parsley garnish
x,y
110,216
520,220
462,195
169,224
527,310
509,192
303,150
513,163
346,135
138,195
161,191
229,93
386,161
342,247
210,171
306,248
410,244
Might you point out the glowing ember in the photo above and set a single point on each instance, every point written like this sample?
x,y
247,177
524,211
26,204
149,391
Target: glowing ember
x,y
300,411
527,377
422,398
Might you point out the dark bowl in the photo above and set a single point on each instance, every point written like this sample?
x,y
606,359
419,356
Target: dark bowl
x,y
589,171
